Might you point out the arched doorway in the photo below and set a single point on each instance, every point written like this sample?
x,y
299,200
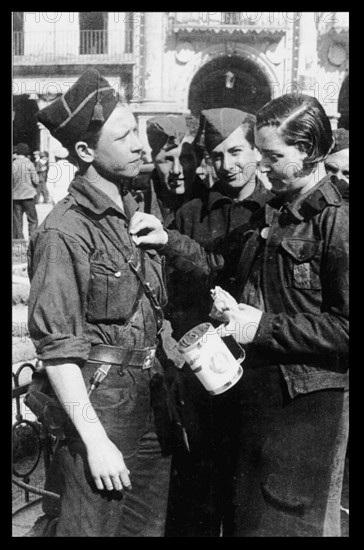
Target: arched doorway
x,y
229,81
343,105
25,127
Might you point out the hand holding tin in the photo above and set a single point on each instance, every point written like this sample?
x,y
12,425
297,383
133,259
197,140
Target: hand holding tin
x,y
242,323
223,302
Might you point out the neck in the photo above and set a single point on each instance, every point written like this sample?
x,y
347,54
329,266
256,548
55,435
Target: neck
x,y
312,179
240,193
110,189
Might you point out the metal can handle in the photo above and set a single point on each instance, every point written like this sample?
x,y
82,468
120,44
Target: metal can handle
x,y
242,350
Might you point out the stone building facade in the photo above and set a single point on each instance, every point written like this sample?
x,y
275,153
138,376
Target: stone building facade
x,y
179,62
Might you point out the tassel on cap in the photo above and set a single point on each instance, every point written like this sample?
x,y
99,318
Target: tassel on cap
x,y
98,113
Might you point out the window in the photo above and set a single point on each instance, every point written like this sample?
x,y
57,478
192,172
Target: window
x,y
231,17
18,33
129,32
93,32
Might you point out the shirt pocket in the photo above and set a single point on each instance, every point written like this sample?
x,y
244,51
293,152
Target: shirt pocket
x,y
302,260
112,292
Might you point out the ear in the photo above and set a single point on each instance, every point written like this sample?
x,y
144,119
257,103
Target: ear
x,y
84,152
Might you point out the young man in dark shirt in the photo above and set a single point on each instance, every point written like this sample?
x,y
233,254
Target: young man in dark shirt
x,y
200,493
95,310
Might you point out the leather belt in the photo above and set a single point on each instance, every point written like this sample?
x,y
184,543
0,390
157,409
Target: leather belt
x,y
115,355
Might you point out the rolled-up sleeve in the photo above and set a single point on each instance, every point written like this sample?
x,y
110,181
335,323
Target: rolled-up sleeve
x,y
59,273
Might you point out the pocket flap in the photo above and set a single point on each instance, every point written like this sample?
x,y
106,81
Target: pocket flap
x,y
301,249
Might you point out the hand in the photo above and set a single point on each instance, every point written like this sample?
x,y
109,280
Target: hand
x,y
146,229
242,323
107,466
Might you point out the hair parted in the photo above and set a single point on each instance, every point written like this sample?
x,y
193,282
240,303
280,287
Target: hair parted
x,y
248,126
302,122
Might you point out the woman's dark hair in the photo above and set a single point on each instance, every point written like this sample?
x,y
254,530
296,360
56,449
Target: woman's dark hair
x,y
302,122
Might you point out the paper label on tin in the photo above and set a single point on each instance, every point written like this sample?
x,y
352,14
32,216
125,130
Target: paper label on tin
x,y
212,362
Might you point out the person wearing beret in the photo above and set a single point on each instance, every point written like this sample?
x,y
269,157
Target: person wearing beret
x,y
228,136
202,475
173,180
95,317
337,163
290,408
25,183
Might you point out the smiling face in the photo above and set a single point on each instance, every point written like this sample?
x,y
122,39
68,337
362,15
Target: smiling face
x,y
338,164
118,150
283,164
176,168
234,160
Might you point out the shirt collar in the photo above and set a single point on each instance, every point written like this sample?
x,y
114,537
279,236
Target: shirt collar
x,y
258,197
91,197
315,200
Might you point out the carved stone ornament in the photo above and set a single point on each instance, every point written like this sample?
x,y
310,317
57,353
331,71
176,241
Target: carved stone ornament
x,y
184,52
274,53
336,54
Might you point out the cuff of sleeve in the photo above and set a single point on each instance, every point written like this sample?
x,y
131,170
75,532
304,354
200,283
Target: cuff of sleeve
x,y
165,248
265,329
67,347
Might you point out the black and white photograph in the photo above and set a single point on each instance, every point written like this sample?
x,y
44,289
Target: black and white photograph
x,y
180,274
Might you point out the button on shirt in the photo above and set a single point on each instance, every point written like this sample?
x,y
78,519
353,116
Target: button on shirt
x,y
25,179
83,292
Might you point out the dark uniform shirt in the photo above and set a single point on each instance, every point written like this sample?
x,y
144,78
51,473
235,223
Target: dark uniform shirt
x,y
206,219
83,292
303,279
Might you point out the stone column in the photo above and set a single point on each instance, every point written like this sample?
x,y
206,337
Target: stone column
x,y
154,46
307,63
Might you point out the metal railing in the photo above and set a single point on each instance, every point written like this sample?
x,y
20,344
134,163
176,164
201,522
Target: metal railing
x,y
73,46
18,43
40,443
220,21
93,42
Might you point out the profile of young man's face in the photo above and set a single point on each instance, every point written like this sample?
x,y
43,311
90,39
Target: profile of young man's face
x,y
117,153
176,167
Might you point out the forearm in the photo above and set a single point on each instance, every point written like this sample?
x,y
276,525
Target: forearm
x,y
187,255
69,387
322,334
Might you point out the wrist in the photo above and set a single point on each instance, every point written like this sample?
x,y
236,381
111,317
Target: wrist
x,y
88,425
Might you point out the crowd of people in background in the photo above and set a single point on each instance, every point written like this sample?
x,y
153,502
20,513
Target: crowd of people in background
x,y
254,203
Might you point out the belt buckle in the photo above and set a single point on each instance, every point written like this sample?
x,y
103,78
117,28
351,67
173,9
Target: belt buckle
x,y
149,359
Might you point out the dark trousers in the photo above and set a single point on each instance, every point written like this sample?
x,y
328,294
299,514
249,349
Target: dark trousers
x,y
288,478
42,189
132,408
200,500
19,207
267,465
